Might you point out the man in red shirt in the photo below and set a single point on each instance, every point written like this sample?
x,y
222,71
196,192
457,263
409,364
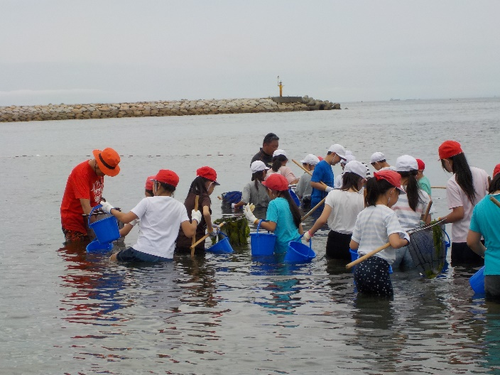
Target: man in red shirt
x,y
84,191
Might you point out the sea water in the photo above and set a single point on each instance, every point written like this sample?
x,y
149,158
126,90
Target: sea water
x,y
65,311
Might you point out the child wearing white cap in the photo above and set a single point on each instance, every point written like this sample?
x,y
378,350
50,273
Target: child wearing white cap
x,y
342,206
254,192
279,166
323,173
304,188
379,162
410,207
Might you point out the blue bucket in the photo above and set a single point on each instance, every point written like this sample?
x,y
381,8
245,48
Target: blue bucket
x,y
262,244
221,247
97,247
299,253
477,281
294,197
354,254
106,230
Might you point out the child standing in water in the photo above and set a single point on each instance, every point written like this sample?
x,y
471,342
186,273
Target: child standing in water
x,y
283,216
203,186
160,217
375,226
148,192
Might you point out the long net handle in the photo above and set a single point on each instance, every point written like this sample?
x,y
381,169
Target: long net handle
x,y
313,209
366,256
193,241
494,200
305,170
203,238
426,215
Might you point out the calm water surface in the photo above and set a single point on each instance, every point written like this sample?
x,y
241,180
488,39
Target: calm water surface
x,y
64,311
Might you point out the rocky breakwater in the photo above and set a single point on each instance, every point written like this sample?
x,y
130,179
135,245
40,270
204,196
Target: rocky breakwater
x,y
162,108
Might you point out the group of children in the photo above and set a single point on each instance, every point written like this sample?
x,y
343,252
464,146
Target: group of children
x,y
363,213
396,200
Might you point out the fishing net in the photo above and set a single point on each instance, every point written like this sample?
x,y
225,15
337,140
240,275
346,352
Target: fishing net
x,y
236,229
428,247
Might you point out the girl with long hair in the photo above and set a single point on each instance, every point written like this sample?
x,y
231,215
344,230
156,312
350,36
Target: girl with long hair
x,y
465,188
279,166
410,207
203,186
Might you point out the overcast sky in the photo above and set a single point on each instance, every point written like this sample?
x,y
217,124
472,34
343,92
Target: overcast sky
x,y
63,51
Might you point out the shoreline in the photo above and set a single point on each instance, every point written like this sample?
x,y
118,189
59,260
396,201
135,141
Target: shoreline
x,y
52,112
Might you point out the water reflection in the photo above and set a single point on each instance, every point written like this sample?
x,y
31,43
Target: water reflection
x,y
93,288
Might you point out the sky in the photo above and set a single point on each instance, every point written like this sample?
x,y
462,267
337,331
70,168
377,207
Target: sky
x,y
109,51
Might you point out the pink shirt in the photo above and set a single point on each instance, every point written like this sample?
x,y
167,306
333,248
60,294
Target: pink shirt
x,y
457,198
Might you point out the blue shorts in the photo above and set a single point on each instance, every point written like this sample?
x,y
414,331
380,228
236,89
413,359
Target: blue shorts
x,y
132,255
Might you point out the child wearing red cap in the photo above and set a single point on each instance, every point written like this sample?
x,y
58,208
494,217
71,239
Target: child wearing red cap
x,y
84,191
283,215
203,186
465,188
160,218
423,181
375,226
485,222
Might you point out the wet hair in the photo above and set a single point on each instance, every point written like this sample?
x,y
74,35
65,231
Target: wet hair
x,y
270,137
198,186
258,176
278,162
350,180
297,219
463,175
149,193
412,188
167,187
374,189
495,184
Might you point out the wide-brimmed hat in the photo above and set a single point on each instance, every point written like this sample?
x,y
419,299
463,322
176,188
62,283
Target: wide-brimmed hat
x,y
167,176
257,166
276,182
208,173
406,163
392,177
107,161
449,149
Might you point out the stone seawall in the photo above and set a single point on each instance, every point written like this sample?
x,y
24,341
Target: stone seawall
x,y
162,108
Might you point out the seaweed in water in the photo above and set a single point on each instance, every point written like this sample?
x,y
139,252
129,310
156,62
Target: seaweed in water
x,y
428,250
236,228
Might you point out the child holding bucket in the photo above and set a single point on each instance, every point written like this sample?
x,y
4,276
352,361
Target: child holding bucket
x,y
148,192
485,222
202,186
160,218
254,192
341,209
283,215
376,226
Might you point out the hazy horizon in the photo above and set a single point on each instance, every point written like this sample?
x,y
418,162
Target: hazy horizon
x,y
123,51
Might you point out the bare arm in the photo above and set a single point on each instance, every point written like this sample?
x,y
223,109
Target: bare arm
x,y
396,241
474,242
456,215
122,216
353,245
321,220
318,186
208,219
188,228
85,206
268,225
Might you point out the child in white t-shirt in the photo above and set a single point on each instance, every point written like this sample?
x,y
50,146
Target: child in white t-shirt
x,y
376,226
160,218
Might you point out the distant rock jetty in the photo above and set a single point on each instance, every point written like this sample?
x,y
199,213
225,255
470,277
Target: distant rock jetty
x,y
163,108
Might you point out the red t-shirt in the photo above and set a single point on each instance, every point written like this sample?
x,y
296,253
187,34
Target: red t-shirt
x,y
83,183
